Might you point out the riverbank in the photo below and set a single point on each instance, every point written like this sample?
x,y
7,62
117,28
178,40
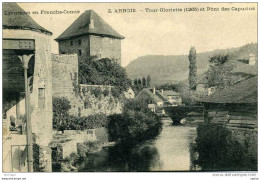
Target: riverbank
x,y
171,150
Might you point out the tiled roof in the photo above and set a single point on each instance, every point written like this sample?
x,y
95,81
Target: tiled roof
x,y
242,92
170,93
14,17
81,26
146,93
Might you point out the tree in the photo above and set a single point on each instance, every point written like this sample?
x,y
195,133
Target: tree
x,y
219,73
135,82
139,82
148,81
103,72
61,107
144,82
218,59
192,68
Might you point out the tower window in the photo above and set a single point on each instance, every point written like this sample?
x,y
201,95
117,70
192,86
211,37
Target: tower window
x,y
71,43
79,41
41,98
79,52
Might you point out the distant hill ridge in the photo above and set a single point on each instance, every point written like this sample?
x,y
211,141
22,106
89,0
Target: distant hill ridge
x,y
175,68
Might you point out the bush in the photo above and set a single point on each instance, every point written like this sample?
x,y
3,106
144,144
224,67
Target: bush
x,y
89,122
61,107
106,92
133,126
97,92
115,93
219,151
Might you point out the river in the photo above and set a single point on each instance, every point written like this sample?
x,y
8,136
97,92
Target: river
x,y
171,150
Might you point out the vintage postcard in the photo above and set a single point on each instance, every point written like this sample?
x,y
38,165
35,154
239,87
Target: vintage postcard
x,y
130,87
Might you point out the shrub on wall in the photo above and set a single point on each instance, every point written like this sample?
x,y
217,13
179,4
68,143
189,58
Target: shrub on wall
x,y
106,92
37,165
115,93
97,92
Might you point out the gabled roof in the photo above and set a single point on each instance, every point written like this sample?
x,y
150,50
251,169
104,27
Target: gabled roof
x,y
161,96
242,92
14,17
81,26
170,93
146,93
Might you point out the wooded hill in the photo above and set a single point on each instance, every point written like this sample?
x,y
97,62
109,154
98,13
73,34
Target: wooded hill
x,y
175,68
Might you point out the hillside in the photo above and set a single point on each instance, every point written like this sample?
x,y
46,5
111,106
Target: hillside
x,y
175,68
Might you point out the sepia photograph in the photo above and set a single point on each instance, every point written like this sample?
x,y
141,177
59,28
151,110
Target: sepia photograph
x,y
130,87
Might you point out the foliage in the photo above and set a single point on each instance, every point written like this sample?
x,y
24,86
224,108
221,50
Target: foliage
x,y
97,92
61,107
103,72
89,122
115,93
219,74
106,92
137,123
218,59
144,82
149,80
135,82
193,68
139,84
186,94
87,104
167,86
219,151
37,165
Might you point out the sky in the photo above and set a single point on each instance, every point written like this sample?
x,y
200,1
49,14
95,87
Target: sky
x,y
160,33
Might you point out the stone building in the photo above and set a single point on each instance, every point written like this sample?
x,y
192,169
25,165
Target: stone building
x,y
90,35
24,38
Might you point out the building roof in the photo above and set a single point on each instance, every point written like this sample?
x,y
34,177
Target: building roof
x,y
242,92
170,93
14,17
81,26
146,93
160,95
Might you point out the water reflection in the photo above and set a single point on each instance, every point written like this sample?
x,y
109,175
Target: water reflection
x,y
170,151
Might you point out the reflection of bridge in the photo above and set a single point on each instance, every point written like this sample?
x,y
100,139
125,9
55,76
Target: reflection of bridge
x,y
178,112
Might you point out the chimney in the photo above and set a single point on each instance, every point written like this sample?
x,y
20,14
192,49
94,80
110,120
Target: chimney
x,y
91,23
251,59
154,90
161,91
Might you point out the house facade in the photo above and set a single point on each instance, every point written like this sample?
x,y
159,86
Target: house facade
x,y
90,36
25,40
173,97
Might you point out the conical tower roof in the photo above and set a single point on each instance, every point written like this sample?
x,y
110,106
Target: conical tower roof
x,y
89,23
14,17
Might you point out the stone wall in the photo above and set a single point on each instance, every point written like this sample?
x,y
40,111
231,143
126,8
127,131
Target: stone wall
x,y
68,141
64,74
85,100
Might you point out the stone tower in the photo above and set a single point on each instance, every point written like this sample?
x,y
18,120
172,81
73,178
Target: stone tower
x,y
90,35
22,36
